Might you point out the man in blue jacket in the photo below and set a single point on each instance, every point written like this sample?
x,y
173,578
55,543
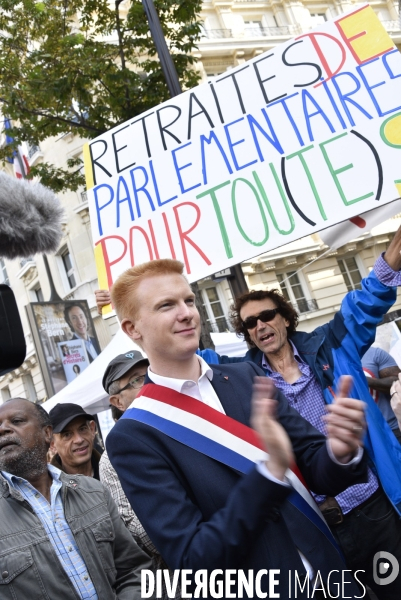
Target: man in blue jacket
x,y
306,368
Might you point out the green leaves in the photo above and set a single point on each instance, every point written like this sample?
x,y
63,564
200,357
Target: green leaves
x,y
60,73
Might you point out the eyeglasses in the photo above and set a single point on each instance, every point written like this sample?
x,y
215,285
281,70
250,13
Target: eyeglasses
x,y
265,316
135,383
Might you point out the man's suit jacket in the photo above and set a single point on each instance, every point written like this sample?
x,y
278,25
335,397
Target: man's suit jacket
x,y
201,514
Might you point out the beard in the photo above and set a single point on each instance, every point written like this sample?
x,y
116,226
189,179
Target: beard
x,y
27,464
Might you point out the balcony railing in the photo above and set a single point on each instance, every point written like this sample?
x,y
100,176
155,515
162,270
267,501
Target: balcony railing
x,y
217,33
391,25
32,150
221,325
303,306
266,31
23,261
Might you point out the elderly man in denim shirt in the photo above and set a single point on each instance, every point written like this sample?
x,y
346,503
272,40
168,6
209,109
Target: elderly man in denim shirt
x,y
60,535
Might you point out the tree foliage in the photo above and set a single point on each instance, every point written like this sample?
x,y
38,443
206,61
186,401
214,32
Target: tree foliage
x,y
83,66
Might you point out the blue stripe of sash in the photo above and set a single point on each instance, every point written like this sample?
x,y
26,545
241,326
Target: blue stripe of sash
x,y
224,455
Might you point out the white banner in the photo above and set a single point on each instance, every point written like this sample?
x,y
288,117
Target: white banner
x,y
298,139
341,234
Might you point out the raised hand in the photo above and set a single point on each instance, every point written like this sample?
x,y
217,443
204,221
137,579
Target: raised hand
x,y
102,299
393,253
345,422
272,434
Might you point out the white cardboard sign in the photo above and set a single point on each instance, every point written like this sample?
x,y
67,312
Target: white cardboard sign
x,y
298,139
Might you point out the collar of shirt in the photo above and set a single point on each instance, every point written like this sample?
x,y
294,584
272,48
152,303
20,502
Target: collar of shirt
x,y
201,390
57,529
265,363
13,479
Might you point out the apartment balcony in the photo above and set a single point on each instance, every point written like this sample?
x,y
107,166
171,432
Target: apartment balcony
x,y
24,261
217,34
32,150
303,306
220,325
391,25
266,31
249,32
28,271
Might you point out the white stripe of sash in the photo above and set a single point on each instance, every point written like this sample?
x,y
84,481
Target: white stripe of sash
x,y
220,436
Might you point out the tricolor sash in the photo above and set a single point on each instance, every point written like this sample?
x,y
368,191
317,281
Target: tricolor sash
x,y
218,436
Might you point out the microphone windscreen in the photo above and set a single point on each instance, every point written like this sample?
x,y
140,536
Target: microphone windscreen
x,y
30,218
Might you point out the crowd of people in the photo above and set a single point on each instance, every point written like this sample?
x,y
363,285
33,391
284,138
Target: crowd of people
x,y
286,460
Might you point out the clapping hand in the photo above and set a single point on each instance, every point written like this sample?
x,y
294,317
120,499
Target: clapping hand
x,y
271,432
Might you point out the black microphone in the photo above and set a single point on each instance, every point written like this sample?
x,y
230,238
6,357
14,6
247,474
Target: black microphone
x,y
30,218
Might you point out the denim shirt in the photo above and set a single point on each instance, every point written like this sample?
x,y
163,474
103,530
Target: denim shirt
x,y
59,532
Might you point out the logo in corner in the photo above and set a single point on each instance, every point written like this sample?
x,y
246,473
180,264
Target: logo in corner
x,y
385,568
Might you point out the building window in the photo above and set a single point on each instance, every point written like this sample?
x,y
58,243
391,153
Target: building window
x,y
29,387
38,294
3,273
350,272
217,320
68,267
293,291
211,76
318,19
5,394
253,28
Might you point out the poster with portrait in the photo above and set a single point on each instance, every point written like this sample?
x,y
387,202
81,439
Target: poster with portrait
x,y
74,358
56,324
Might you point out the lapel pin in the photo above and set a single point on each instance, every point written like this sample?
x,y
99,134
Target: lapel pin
x,y
226,378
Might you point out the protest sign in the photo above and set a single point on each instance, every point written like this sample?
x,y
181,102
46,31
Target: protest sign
x,y
298,139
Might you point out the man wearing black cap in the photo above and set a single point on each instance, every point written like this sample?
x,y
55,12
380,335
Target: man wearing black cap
x,y
124,377
73,438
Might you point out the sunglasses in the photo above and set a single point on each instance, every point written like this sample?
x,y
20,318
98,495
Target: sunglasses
x,y
265,316
135,383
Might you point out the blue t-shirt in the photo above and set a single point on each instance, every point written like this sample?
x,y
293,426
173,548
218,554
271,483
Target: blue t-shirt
x,y
375,360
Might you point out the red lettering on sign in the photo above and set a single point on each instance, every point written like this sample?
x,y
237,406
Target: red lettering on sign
x,y
184,235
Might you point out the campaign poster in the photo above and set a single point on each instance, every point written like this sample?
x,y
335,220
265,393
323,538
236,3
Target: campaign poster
x,y
55,323
74,358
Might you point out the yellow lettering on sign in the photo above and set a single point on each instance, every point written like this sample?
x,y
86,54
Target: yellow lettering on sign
x,y
88,167
391,131
364,34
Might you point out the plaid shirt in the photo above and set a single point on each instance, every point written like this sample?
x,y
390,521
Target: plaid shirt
x,y
59,533
110,480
